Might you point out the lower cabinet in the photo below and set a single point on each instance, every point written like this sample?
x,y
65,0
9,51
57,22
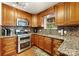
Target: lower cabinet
x,y
8,47
32,40
55,45
47,44
41,42
50,45
0,47
36,40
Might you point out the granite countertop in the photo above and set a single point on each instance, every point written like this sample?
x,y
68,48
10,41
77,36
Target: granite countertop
x,y
52,36
70,45
8,36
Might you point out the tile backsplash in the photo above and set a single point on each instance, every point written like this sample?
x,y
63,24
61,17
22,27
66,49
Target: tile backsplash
x,y
71,31
48,31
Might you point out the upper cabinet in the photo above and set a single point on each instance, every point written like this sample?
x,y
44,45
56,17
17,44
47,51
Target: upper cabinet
x,y
73,13
40,20
66,14
34,20
40,16
10,15
60,14
24,15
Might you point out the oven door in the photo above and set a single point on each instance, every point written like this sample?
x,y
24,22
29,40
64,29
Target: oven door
x,y
23,42
24,45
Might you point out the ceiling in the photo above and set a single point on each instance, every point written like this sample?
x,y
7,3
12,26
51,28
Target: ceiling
x,y
32,7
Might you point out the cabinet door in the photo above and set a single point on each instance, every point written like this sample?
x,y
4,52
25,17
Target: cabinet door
x,y
39,20
36,40
56,43
72,13
8,15
4,16
32,40
41,42
47,44
0,46
9,46
19,13
60,14
77,13
15,16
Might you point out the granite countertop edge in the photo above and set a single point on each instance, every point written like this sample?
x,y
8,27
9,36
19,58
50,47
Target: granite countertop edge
x,y
8,36
52,36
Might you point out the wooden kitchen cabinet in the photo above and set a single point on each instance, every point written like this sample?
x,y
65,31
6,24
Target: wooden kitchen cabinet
x,y
9,46
77,12
24,15
66,14
34,20
32,40
19,13
4,15
73,9
41,42
40,16
8,16
40,21
36,40
70,13
0,47
50,45
60,14
47,44
55,45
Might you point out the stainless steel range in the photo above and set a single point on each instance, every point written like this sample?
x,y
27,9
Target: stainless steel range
x,y
23,40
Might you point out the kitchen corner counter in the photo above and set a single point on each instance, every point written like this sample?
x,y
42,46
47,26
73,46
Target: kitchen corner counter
x,y
52,36
70,45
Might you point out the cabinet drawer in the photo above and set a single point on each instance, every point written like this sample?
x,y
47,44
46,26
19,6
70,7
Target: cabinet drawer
x,y
9,53
9,43
7,40
8,48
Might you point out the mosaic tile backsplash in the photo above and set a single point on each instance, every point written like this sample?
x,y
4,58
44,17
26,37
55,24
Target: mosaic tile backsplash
x,y
71,31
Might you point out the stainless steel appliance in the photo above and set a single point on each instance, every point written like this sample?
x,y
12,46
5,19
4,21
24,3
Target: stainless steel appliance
x,y
23,40
22,22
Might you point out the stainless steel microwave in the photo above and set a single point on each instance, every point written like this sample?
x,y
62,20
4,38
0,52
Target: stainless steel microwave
x,y
22,22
